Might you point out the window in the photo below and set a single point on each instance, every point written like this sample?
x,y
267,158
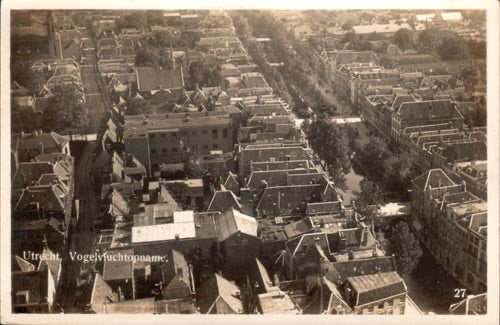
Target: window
x,y
205,146
164,150
163,135
194,132
204,131
174,149
215,146
194,147
153,151
380,305
152,135
173,134
224,133
215,133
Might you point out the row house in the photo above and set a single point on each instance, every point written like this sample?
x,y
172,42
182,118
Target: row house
x,y
444,213
160,87
146,137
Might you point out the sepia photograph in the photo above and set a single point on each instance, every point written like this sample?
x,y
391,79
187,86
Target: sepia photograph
x,y
263,161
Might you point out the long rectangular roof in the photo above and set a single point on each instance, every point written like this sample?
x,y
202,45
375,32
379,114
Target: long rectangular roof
x,y
183,227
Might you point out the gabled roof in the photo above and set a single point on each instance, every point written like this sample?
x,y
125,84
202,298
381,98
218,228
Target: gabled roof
x,y
429,110
297,244
374,287
49,197
28,173
218,288
51,261
264,276
433,178
472,305
149,78
287,199
297,228
232,183
101,293
50,141
232,221
222,201
177,269
340,271
318,208
22,265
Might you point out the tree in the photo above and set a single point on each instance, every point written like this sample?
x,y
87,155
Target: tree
x,y
374,153
429,37
137,106
405,247
453,49
192,168
347,26
65,109
181,194
404,38
330,143
146,58
368,198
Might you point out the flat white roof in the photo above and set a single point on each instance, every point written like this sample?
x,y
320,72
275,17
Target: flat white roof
x,y
184,216
183,227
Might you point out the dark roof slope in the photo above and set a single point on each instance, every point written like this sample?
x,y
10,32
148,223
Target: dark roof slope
x,y
149,78
378,286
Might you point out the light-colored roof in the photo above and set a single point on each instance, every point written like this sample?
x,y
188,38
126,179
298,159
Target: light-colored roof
x,y
232,221
182,228
379,28
451,15
184,216
425,17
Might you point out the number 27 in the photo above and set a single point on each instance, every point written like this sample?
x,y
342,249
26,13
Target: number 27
x,y
459,293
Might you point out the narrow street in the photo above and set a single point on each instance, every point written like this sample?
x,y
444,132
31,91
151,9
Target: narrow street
x,y
96,98
82,236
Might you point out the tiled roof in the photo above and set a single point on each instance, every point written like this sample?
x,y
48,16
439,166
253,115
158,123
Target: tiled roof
x,y
51,142
149,78
49,197
298,228
287,199
232,221
264,276
434,178
475,150
319,208
374,287
223,201
218,288
101,294
340,271
28,173
429,110
296,245
177,267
